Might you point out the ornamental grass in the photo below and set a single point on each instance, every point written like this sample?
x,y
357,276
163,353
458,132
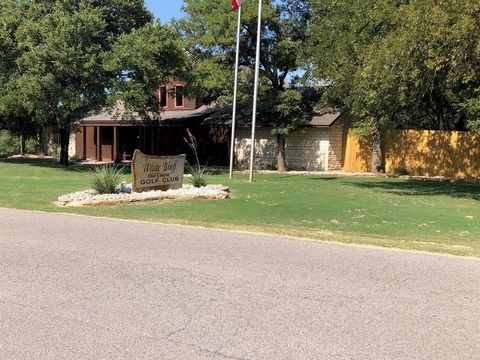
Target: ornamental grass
x,y
106,179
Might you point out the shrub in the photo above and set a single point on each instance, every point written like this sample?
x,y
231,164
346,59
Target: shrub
x,y
9,144
75,158
198,175
106,179
31,146
401,171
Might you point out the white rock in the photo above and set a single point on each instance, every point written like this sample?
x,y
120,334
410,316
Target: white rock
x,y
91,197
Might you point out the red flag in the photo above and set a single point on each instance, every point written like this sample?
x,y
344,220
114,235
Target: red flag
x,y
236,4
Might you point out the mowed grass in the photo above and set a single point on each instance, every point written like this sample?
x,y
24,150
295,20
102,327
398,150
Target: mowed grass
x,y
420,215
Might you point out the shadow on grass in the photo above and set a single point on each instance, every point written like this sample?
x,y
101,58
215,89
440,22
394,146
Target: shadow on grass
x,y
423,188
283,176
39,162
324,178
50,164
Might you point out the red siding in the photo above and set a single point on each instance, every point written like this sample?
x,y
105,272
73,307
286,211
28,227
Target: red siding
x,y
91,144
188,104
106,134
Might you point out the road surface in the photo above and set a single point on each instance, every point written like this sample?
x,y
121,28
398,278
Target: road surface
x,y
75,287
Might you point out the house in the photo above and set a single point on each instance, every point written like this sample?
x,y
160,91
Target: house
x,y
318,147
105,137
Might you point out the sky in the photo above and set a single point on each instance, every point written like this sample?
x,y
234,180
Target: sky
x,y
169,9
165,9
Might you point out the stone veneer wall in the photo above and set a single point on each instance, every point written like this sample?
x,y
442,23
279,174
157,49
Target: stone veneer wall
x,y
335,154
72,145
307,150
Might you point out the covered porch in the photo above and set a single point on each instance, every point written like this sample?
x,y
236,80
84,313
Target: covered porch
x,y
114,143
105,137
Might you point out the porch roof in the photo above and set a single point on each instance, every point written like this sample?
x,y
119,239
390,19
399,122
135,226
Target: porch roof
x,y
115,116
223,117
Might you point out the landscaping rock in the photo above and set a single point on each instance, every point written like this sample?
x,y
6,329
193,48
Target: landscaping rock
x,y
91,197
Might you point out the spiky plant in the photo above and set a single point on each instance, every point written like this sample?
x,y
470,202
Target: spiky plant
x,y
198,173
198,176
106,179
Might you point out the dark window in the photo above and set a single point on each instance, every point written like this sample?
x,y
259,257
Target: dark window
x,y
179,96
163,96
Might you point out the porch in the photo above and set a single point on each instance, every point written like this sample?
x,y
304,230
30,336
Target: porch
x,y
114,143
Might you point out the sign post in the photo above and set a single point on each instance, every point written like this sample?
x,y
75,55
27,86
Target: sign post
x,y
234,110
255,92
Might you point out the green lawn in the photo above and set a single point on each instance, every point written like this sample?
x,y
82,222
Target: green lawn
x,y
421,215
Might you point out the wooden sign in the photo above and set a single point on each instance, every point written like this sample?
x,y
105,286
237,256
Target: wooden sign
x,y
157,172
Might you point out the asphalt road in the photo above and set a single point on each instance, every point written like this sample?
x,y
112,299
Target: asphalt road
x,y
83,288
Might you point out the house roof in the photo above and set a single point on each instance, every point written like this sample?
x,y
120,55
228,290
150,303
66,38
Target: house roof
x,y
325,119
223,117
115,115
208,115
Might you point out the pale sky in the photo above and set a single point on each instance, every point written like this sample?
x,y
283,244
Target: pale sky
x,y
165,9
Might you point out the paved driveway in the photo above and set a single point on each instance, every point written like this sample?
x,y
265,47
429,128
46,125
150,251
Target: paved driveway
x,y
84,288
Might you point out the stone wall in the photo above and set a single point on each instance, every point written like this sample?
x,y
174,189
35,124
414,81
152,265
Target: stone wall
x,y
265,148
72,146
306,150
335,154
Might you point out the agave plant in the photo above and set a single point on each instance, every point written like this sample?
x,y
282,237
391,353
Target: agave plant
x,y
199,173
106,179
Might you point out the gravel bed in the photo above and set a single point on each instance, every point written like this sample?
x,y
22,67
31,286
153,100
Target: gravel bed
x,y
91,197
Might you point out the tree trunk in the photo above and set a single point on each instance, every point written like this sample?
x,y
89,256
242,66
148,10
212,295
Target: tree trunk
x,y
281,161
41,142
439,102
22,143
64,142
440,120
22,138
377,156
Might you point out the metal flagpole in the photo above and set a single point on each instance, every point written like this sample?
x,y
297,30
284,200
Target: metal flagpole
x,y
234,114
255,93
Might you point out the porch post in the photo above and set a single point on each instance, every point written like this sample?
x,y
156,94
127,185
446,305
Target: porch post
x,y
151,140
140,139
99,145
115,145
84,142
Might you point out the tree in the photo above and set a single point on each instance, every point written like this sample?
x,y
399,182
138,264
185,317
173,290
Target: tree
x,y
209,32
398,64
287,116
63,44
430,54
63,59
140,62
14,112
339,35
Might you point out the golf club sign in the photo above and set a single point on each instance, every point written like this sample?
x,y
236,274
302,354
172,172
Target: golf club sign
x,y
157,172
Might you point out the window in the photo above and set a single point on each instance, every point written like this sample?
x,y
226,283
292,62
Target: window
x,y
179,96
163,96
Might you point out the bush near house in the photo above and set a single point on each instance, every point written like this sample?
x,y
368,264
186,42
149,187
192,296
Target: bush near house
x,y
10,144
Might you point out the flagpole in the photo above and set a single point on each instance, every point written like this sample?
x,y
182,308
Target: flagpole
x,y
234,114
255,94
